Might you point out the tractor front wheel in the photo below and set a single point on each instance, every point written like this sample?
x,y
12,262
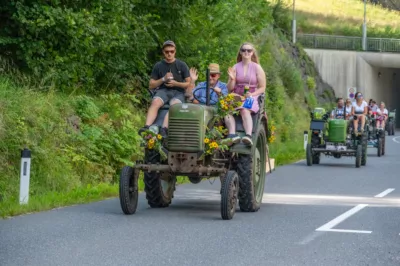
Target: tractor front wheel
x,y
229,195
128,189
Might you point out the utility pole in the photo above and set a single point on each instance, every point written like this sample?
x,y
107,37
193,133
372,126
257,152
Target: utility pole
x,y
364,28
294,23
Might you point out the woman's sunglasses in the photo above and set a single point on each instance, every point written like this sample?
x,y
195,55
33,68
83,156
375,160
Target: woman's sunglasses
x,y
246,50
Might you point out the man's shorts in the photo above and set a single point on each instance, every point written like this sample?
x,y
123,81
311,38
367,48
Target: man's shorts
x,y
166,95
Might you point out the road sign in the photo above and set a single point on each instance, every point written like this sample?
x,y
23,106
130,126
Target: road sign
x,y
351,92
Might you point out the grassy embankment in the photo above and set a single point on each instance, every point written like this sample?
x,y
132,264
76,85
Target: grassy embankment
x,y
80,141
345,17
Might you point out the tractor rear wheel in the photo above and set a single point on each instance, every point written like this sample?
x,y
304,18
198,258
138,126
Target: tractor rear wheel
x,y
358,155
379,140
159,192
309,156
364,143
251,170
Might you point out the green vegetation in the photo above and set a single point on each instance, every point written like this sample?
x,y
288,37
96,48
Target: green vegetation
x,y
73,78
345,17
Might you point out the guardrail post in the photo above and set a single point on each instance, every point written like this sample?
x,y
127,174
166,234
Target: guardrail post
x,y
364,37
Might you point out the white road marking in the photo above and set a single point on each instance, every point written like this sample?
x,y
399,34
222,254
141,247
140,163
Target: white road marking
x,y
395,140
384,193
329,225
350,231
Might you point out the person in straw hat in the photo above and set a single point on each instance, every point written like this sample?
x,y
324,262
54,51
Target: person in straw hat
x,y
217,87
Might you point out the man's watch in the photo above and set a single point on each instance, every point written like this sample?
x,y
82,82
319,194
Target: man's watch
x,y
163,79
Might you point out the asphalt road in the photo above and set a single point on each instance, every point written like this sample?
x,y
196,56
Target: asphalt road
x,y
332,197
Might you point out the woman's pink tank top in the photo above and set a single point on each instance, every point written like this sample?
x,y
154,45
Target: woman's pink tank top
x,y
250,79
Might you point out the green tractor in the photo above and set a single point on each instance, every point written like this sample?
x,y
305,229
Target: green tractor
x,y
241,168
391,123
334,137
376,137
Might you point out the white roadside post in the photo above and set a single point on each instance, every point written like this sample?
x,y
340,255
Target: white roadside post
x,y
294,27
305,139
25,176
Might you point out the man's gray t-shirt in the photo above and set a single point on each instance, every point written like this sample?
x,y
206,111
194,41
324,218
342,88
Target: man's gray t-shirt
x,y
178,68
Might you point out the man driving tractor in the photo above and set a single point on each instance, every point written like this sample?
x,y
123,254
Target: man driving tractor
x,y
340,111
217,87
170,77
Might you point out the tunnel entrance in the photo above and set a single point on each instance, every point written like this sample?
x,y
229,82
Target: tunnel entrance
x,y
376,75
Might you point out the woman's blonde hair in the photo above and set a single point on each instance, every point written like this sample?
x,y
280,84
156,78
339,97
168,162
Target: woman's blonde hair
x,y
254,57
384,105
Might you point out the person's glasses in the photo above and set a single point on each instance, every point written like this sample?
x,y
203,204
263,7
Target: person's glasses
x,y
246,50
359,96
213,75
169,51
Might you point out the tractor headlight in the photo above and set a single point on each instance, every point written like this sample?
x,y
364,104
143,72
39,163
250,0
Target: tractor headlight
x,y
154,129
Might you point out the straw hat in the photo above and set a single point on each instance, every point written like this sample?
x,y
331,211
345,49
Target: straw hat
x,y
214,68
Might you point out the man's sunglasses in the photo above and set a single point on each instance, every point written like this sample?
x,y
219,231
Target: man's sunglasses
x,y
213,75
169,51
246,50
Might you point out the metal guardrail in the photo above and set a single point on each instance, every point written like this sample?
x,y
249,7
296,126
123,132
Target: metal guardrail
x,y
348,43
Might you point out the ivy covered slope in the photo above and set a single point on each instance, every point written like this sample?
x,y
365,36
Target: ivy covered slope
x,y
74,76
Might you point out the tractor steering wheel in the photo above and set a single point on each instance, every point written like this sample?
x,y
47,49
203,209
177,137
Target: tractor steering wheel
x,y
211,101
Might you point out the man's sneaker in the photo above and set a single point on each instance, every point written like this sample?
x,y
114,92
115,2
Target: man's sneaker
x,y
231,139
247,140
143,129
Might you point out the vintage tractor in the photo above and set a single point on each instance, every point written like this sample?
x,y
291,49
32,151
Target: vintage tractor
x,y
376,137
333,137
241,168
391,123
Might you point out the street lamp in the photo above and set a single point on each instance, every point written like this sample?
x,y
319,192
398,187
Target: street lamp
x,y
294,23
364,28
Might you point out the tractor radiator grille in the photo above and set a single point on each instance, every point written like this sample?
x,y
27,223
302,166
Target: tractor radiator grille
x,y
183,135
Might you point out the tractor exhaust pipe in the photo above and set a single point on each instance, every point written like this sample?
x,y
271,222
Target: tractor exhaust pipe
x,y
208,87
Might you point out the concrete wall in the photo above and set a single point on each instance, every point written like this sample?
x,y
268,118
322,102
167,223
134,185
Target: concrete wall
x,y
345,69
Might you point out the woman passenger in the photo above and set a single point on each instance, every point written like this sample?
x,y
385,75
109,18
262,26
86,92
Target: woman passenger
x,y
247,72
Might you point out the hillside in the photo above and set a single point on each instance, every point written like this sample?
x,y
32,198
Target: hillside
x,y
74,76
345,17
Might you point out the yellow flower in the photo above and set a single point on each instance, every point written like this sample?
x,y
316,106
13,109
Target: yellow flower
x,y
159,136
151,141
221,102
150,145
214,144
206,140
